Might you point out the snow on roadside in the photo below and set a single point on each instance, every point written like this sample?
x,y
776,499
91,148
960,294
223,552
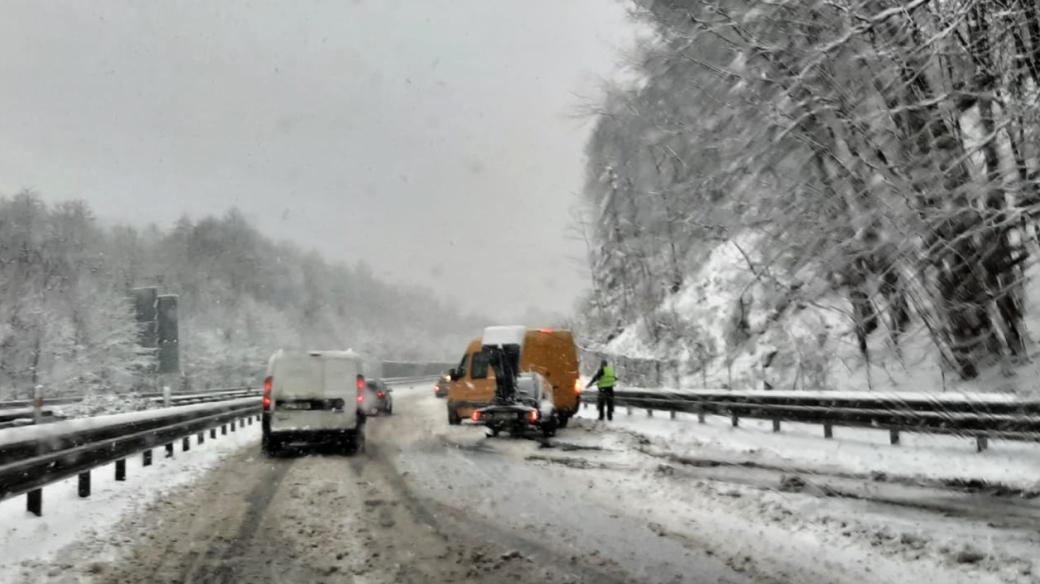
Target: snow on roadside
x,y
785,533
852,450
31,543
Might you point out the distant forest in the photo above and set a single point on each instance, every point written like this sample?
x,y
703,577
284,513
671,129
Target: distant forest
x,y
66,320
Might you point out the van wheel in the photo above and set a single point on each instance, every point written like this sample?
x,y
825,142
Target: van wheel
x,y
354,443
270,445
564,419
453,417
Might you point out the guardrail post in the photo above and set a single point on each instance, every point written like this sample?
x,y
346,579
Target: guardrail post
x,y
981,443
146,458
34,502
776,425
249,420
828,431
735,420
700,414
201,437
223,429
649,413
234,423
121,469
213,433
628,410
169,450
186,444
893,437
37,404
84,484
671,414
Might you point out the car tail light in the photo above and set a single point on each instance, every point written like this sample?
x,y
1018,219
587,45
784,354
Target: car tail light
x,y
380,394
532,416
577,386
475,416
360,399
268,384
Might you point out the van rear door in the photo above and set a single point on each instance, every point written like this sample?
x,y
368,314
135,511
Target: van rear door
x,y
552,354
305,382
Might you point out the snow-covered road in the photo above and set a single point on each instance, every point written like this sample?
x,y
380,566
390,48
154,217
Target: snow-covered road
x,y
430,502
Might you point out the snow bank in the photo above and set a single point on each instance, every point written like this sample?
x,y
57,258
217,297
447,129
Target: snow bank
x,y
44,431
28,542
852,450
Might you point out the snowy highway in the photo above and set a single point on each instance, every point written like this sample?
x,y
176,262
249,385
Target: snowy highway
x,y
428,502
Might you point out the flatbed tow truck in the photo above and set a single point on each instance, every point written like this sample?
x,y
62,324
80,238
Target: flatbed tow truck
x,y
523,403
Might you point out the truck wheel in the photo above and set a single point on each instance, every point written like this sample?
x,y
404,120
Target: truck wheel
x,y
453,417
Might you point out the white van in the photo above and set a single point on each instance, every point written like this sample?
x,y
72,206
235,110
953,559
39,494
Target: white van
x,y
314,397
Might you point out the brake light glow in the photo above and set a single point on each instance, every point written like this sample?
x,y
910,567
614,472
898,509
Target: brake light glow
x,y
268,384
532,416
360,382
360,399
380,394
475,416
545,331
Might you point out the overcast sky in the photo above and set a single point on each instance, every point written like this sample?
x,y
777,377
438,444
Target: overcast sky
x,y
434,139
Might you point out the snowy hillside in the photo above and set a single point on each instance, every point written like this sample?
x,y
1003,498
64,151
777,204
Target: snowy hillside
x,y
741,333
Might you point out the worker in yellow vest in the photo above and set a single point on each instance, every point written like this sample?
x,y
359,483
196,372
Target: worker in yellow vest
x,y
604,380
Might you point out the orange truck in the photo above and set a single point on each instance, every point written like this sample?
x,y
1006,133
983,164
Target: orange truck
x,y
548,352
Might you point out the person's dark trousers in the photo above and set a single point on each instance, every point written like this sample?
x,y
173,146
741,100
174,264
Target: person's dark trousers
x,y
605,398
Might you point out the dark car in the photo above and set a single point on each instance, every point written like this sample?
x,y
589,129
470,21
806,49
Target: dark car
x,y
379,398
440,389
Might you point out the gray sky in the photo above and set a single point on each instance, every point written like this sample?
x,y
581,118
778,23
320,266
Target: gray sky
x,y
434,139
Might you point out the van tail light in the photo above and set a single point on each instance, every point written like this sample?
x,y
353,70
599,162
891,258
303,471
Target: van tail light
x,y
532,416
380,394
577,386
268,384
360,388
475,416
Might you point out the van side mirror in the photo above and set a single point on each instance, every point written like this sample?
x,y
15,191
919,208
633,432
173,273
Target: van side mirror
x,y
453,374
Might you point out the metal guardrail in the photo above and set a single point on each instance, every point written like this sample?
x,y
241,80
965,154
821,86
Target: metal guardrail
x,y
27,403
182,397
37,459
15,412
979,416
28,464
